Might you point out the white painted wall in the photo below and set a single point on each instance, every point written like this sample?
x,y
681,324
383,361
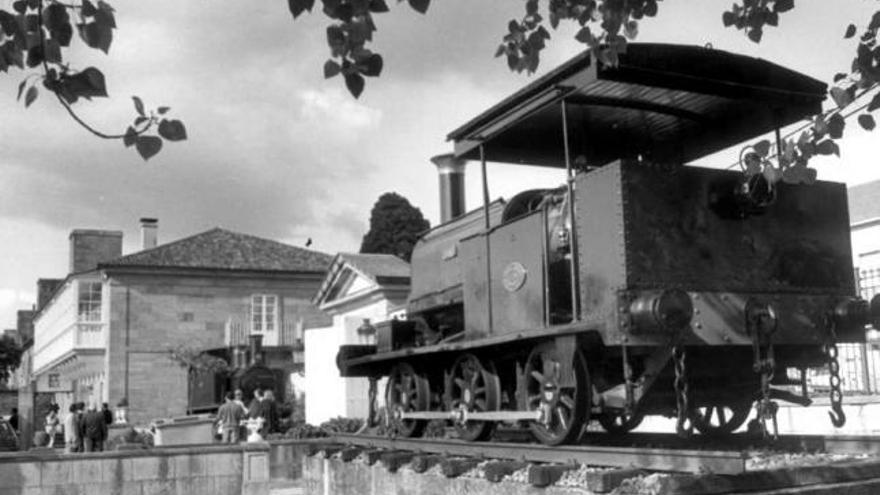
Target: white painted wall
x,y
329,395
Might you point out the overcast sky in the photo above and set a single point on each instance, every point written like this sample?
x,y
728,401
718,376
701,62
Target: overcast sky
x,y
276,151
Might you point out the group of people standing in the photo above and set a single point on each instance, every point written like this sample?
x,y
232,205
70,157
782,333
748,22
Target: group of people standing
x,y
84,430
233,412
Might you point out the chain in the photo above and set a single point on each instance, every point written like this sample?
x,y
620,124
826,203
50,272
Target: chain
x,y
683,425
838,418
767,408
372,404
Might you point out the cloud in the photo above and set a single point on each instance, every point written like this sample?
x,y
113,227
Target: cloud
x,y
337,110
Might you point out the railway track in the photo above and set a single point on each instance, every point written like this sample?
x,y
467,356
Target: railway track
x,y
652,459
697,466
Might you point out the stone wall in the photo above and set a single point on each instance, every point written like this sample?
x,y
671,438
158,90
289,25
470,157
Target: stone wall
x,y
194,470
151,314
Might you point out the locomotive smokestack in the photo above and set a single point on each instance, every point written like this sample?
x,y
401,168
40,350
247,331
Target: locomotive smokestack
x,y
451,171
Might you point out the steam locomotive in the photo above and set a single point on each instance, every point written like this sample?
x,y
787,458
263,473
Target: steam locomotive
x,y
641,286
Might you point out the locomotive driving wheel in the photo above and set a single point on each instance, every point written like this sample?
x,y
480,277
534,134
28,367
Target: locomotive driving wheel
x,y
722,417
620,423
472,387
563,407
407,391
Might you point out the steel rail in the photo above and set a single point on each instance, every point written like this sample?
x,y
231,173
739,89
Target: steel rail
x,y
654,459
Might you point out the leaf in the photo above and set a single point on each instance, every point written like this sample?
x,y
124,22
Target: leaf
x,y
752,163
331,69
88,83
30,96
148,146
105,11
88,8
172,130
335,36
875,21
55,16
841,96
52,51
21,86
297,7
850,31
130,137
138,105
163,110
19,6
585,36
355,84
839,76
783,6
728,19
35,56
762,148
105,19
836,125
63,35
631,30
755,34
772,174
866,120
378,6
420,6
875,103
827,147
96,35
372,66
140,120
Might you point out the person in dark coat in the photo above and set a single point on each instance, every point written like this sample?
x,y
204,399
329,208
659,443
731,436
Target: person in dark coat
x,y
270,412
94,430
80,413
108,414
13,419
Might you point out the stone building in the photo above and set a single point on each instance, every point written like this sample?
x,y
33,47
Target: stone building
x,y
359,289
107,331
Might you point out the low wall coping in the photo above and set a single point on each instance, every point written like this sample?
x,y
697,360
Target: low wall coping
x,y
165,451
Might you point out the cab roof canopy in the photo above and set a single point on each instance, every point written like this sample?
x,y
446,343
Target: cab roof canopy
x,y
663,102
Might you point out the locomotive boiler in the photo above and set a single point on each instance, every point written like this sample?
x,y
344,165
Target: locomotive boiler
x,y
641,286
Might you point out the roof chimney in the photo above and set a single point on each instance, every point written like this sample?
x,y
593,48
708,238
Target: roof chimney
x,y
451,171
149,232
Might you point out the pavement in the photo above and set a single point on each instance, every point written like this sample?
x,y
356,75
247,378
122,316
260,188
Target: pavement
x,y
286,487
862,418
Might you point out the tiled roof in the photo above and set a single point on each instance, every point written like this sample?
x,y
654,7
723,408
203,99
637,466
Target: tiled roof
x,y
864,202
378,265
226,250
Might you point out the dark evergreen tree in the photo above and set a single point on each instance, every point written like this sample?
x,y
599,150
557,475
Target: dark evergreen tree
x,y
10,357
395,225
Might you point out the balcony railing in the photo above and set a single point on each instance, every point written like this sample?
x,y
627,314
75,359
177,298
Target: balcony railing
x,y
287,334
76,337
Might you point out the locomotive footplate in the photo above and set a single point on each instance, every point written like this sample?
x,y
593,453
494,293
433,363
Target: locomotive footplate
x,y
720,318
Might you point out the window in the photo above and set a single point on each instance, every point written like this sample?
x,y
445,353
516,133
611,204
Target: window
x,y
89,301
54,380
264,313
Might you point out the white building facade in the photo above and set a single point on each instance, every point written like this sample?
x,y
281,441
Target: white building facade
x,y
360,289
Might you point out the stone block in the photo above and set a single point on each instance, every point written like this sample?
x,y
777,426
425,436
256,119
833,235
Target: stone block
x,y
143,468
256,467
55,472
164,487
87,471
24,474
